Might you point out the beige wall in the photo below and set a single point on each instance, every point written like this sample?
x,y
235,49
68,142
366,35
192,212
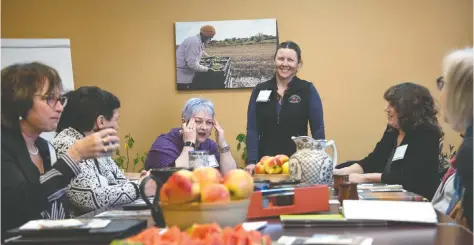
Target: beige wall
x,y
352,51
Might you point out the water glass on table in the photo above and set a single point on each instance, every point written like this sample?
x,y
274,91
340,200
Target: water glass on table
x,y
347,191
198,159
338,179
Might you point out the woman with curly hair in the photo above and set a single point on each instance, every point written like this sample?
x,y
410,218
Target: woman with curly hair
x,y
408,152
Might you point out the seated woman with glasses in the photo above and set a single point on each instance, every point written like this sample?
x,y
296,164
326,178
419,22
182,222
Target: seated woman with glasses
x,y
32,187
101,183
408,152
171,149
454,195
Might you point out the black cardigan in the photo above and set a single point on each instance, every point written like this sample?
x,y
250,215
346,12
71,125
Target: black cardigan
x,y
27,195
418,170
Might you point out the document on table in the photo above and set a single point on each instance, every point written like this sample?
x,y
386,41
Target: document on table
x,y
64,224
400,211
123,213
324,239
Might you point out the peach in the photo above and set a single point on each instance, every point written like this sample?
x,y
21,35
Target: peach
x,y
272,167
206,176
285,168
266,159
281,159
240,184
181,187
215,193
259,169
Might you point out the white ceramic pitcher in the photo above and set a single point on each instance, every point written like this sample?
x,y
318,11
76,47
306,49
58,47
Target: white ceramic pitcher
x,y
311,163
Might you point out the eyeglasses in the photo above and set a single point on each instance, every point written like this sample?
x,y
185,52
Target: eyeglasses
x,y
440,83
52,100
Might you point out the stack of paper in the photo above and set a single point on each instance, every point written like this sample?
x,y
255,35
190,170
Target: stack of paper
x,y
379,187
123,213
399,211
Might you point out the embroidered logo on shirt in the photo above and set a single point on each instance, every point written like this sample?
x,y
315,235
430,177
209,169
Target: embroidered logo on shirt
x,y
294,99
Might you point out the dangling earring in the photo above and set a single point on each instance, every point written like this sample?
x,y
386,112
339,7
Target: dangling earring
x,y
21,118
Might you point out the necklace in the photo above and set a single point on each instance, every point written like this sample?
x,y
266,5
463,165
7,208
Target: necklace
x,y
34,153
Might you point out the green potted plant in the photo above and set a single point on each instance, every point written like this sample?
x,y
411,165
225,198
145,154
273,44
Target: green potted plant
x,y
241,140
444,157
123,161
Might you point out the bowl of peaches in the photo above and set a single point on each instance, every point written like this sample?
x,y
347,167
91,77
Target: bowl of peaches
x,y
272,168
204,196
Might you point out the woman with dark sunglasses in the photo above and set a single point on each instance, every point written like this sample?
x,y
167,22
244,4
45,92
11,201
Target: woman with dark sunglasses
x,y
32,187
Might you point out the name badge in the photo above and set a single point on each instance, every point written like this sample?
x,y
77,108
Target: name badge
x,y
399,153
264,96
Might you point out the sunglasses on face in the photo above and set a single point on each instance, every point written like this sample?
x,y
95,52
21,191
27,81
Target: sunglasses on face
x,y
440,83
52,100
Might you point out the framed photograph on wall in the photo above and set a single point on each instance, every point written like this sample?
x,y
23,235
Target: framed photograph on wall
x,y
225,54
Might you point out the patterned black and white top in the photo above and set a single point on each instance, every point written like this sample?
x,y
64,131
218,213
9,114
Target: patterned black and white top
x,y
100,183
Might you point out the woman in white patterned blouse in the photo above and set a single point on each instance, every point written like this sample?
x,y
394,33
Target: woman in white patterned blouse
x,y
100,183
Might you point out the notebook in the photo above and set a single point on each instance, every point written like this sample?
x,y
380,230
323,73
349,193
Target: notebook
x,y
324,220
116,229
391,196
138,204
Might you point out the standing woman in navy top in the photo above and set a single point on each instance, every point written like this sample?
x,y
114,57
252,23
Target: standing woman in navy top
x,y
281,108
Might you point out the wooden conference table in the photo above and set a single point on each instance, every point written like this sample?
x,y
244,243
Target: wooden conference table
x,y
445,233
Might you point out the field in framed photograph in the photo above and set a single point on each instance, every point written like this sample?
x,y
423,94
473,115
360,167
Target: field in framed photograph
x,y
240,54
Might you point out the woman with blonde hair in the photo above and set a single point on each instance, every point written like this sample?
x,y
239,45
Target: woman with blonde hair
x,y
456,99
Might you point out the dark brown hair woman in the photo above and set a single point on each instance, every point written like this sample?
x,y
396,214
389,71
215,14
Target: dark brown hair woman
x,y
408,152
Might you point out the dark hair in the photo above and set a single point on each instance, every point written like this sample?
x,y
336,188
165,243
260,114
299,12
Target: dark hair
x,y
290,45
84,105
20,83
415,106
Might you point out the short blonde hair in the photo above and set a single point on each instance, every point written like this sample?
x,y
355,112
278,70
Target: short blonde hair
x,y
457,72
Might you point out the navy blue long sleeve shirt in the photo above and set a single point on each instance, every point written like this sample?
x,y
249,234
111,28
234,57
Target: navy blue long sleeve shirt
x,y
316,122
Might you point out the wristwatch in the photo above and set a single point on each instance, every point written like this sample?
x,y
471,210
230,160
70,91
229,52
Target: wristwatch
x,y
190,144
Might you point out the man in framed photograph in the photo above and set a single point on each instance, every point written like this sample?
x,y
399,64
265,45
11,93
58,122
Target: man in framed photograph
x,y
188,56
